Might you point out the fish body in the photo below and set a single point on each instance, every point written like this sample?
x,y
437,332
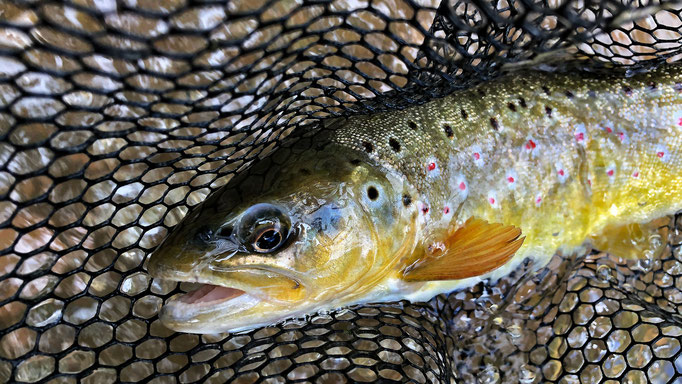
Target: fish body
x,y
409,204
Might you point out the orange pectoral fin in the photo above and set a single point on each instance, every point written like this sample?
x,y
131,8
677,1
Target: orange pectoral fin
x,y
475,248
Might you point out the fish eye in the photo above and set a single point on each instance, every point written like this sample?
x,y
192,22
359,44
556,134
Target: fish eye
x,y
264,228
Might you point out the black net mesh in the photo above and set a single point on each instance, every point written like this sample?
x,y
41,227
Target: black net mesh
x,y
116,117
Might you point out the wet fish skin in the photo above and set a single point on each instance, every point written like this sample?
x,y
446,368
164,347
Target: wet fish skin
x,y
563,157
339,240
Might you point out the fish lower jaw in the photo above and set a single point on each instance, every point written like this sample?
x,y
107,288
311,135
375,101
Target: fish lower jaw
x,y
195,312
209,294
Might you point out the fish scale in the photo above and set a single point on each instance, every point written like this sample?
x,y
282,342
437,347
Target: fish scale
x,y
537,172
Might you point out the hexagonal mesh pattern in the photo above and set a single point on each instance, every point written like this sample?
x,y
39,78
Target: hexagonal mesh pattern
x,y
117,116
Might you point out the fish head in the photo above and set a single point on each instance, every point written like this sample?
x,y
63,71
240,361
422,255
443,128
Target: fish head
x,y
283,241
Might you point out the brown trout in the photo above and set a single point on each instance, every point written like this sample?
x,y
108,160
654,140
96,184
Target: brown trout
x,y
409,204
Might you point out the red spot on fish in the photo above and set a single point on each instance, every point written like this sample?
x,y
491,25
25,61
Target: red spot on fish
x,y
432,166
477,156
609,130
425,209
589,182
636,174
609,172
530,145
580,136
660,154
561,172
446,210
462,186
538,200
510,179
491,200
679,122
621,136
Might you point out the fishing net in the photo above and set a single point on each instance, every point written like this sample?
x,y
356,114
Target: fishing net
x,y
116,117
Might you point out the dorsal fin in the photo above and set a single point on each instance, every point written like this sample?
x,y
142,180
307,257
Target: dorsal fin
x,y
475,248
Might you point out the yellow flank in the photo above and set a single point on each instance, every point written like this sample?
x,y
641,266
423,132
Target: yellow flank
x,y
561,156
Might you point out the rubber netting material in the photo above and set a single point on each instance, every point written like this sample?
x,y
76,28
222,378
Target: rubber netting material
x,y
117,116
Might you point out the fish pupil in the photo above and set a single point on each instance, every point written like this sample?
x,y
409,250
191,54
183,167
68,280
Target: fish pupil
x,y
268,240
372,193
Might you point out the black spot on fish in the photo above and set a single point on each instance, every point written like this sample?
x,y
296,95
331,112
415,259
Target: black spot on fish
x,y
448,131
627,90
569,94
305,171
481,92
464,114
511,107
494,123
372,193
548,111
546,90
395,145
412,124
652,85
678,87
407,200
368,146
355,162
591,93
522,102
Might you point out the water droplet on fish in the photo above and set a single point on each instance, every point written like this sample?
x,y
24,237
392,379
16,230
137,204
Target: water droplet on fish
x,y
489,375
526,374
655,241
295,323
645,264
514,330
604,273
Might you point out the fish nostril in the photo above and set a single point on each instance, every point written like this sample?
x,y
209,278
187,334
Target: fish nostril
x,y
204,234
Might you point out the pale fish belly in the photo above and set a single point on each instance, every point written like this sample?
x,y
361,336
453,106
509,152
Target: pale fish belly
x,y
559,155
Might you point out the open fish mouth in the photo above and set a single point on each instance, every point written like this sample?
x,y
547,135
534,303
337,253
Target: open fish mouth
x,y
208,294
204,308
